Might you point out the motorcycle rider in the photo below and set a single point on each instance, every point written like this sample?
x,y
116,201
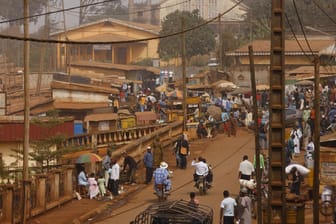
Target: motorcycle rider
x,y
161,176
201,169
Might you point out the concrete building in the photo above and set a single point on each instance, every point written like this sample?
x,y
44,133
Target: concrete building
x,y
208,8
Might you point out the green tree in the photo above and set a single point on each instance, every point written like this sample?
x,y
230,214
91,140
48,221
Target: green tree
x,y
13,9
114,9
198,42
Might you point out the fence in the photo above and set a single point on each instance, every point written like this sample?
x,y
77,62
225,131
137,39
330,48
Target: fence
x,y
45,191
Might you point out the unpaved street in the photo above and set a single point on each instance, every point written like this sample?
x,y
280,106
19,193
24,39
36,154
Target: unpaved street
x,y
223,153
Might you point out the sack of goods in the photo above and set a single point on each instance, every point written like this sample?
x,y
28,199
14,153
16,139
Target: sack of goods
x,y
250,184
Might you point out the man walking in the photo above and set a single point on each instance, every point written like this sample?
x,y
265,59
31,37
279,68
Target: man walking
x,y
148,161
227,208
246,169
114,172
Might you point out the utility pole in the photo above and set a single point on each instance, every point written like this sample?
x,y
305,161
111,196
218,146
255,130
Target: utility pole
x,y
67,48
184,89
277,211
220,42
25,188
256,129
316,174
43,50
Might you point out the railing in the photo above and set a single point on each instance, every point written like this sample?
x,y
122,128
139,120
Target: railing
x,y
119,136
46,191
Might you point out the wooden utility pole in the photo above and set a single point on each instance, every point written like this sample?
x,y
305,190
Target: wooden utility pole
x,y
184,76
43,50
316,174
256,129
220,43
67,48
25,201
277,211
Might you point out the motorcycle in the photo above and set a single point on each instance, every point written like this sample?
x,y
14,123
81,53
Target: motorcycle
x,y
202,185
161,193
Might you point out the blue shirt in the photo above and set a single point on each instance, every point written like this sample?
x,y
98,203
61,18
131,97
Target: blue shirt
x,y
160,176
148,160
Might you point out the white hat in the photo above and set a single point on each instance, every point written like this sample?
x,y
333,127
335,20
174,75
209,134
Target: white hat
x,y
164,165
148,147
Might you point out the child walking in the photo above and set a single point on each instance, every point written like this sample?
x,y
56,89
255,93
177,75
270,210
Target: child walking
x,y
101,184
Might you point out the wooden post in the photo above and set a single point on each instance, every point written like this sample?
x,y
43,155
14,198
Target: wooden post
x,y
184,90
316,174
26,114
256,129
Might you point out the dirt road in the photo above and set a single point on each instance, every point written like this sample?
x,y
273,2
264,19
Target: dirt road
x,y
223,153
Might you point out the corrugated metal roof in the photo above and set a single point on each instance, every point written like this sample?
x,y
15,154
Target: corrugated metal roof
x,y
83,87
146,116
134,25
101,117
122,67
13,132
263,47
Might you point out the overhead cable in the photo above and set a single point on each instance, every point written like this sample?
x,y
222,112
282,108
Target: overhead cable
x,y
53,12
2,36
301,26
324,12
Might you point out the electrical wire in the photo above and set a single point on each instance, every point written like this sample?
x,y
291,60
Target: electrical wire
x,y
53,12
324,12
2,36
135,12
301,26
295,37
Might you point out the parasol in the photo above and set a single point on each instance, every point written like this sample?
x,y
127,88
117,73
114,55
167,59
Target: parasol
x,y
261,87
88,158
304,83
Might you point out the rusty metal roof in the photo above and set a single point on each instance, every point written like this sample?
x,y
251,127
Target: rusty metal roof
x,y
263,47
153,29
83,87
122,67
307,72
146,116
101,117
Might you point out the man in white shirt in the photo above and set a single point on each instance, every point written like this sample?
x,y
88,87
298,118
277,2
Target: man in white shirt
x,y
201,168
114,172
227,207
246,169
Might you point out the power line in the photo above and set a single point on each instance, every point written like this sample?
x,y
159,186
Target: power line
x,y
138,11
295,37
53,12
301,26
2,36
324,12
